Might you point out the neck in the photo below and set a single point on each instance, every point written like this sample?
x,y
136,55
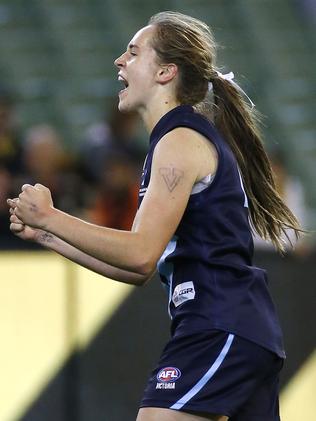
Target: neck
x,y
152,114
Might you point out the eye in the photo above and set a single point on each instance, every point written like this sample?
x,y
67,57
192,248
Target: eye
x,y
133,54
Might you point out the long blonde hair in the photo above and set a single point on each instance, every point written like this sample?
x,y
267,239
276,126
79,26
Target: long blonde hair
x,y
189,43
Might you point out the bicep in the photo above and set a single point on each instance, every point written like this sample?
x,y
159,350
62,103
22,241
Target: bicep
x,y
172,177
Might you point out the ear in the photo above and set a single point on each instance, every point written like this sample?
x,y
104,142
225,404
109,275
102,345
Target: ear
x,y
166,73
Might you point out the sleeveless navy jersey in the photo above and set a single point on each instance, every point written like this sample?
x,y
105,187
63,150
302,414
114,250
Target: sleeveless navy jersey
x,y
207,266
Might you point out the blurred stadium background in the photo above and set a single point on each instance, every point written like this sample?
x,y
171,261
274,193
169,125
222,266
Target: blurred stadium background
x,y
73,346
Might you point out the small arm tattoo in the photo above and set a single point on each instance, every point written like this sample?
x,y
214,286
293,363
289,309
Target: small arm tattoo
x,y
46,237
171,176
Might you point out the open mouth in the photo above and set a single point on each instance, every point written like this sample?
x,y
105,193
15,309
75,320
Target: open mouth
x,y
124,82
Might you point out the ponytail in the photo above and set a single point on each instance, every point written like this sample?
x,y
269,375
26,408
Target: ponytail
x,y
238,123
189,43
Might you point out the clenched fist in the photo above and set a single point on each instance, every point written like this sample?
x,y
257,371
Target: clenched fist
x,y
33,206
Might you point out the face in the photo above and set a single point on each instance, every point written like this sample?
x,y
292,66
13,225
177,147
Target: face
x,y
138,69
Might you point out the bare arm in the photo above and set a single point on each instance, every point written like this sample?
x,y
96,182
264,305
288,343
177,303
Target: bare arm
x,y
51,242
175,168
54,243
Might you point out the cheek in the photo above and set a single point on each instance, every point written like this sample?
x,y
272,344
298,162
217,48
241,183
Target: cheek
x,y
145,74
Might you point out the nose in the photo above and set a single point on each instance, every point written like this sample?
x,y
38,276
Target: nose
x,y
119,62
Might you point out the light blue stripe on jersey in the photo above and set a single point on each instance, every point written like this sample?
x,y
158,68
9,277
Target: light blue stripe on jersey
x,y
166,269
207,376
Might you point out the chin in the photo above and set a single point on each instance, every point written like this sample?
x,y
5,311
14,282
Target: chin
x,y
126,107
121,107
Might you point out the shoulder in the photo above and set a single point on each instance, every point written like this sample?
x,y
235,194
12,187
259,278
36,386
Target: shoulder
x,y
190,148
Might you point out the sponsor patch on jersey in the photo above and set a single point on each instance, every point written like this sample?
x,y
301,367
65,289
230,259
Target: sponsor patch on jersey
x,y
183,292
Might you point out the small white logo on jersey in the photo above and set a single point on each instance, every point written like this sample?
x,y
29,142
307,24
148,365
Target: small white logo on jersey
x,y
167,378
165,385
142,191
143,176
183,292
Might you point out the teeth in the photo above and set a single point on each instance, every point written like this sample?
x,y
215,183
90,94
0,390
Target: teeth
x,y
121,79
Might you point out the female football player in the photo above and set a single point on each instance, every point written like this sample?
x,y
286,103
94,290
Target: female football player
x,y
206,183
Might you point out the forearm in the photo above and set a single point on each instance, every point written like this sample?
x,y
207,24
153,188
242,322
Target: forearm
x,y
56,244
122,249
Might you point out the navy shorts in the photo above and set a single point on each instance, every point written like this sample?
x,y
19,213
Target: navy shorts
x,y
215,372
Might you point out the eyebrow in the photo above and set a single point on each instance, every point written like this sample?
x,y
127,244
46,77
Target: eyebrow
x,y
130,46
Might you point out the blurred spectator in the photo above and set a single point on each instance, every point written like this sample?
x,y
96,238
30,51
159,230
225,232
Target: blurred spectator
x,y
119,134
10,160
46,162
10,145
115,202
112,157
292,192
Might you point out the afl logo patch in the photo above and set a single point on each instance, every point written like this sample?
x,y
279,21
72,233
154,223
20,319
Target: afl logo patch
x,y
168,374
